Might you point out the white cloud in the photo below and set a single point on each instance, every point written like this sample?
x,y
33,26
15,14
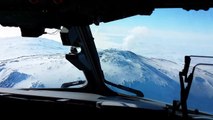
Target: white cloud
x,y
105,41
135,36
108,36
9,32
150,42
140,30
167,44
52,34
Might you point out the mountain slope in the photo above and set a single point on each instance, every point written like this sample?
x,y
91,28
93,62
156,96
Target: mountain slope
x,y
35,63
127,68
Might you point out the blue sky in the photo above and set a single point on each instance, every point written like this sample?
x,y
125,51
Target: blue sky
x,y
167,33
174,18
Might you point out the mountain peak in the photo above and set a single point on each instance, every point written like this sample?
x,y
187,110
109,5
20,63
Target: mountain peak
x,y
124,53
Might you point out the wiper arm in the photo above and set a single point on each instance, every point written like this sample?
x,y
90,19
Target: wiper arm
x,y
185,78
74,83
128,89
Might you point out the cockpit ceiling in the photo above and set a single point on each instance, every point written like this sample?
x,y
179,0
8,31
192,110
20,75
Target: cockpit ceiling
x,y
56,13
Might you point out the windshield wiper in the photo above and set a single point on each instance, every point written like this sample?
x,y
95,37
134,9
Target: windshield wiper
x,y
74,83
128,89
80,82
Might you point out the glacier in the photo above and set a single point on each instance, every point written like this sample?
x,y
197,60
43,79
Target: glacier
x,y
41,63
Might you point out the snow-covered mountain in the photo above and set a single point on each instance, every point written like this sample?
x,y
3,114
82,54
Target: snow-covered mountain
x,y
157,78
39,63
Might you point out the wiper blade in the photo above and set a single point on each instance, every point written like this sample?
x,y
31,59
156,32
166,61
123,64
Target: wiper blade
x,y
74,83
128,89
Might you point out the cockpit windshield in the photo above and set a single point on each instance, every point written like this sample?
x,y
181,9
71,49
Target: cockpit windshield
x,y
147,54
140,56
